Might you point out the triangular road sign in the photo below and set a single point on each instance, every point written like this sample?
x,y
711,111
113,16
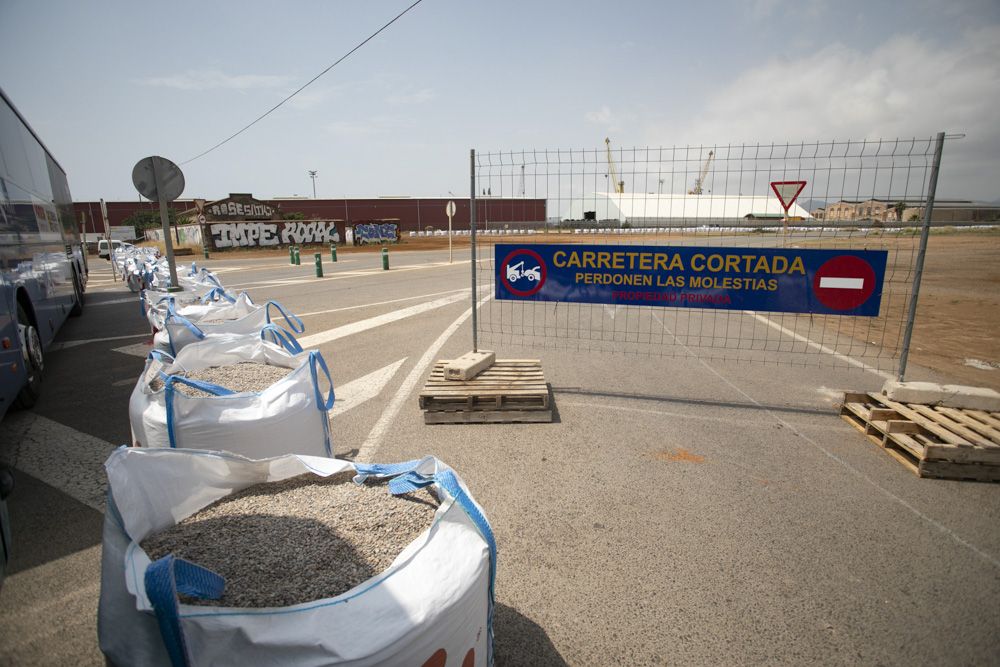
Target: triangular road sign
x,y
787,191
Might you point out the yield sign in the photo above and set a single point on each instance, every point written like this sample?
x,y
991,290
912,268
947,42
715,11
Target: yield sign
x,y
787,191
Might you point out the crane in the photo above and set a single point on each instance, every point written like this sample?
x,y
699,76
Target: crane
x,y
696,190
619,185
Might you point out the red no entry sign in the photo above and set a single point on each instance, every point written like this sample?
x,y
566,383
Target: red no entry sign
x,y
844,282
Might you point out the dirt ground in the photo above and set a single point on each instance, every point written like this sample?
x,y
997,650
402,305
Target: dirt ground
x,y
957,331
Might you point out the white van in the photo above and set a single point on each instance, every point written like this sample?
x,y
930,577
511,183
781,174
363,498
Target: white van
x,y
102,247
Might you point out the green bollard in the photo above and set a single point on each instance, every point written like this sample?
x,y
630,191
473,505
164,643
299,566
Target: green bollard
x,y
204,250
291,254
333,252
298,256
318,258
385,259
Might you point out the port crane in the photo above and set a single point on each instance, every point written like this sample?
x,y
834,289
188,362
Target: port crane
x,y
696,190
619,185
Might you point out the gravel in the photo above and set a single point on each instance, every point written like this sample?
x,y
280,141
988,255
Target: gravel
x,y
299,540
241,377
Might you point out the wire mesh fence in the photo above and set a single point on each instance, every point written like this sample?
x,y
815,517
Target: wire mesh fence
x,y
859,195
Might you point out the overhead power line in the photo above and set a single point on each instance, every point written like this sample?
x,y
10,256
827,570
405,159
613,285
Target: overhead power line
x,y
305,85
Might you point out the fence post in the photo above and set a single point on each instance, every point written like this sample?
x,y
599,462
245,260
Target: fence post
x,y
924,232
472,244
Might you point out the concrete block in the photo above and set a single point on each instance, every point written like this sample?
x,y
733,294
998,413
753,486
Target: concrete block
x,y
946,395
469,365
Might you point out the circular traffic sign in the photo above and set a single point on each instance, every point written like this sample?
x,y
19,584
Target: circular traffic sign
x,y
523,272
149,171
844,282
449,210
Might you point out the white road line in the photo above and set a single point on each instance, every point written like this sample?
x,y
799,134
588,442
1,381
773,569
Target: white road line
x,y
354,393
375,436
131,299
74,343
58,455
822,348
377,321
842,283
382,303
993,560
140,350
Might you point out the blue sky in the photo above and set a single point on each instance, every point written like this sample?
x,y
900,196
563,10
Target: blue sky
x,y
107,83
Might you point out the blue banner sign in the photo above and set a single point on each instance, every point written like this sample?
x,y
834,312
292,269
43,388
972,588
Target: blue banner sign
x,y
787,280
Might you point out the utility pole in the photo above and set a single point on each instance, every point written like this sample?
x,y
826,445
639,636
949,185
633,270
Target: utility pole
x,y
312,175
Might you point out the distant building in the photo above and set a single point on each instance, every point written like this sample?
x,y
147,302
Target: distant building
x,y
651,209
888,210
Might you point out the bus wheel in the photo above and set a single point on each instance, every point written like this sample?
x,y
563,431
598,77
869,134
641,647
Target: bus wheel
x,y
34,360
77,309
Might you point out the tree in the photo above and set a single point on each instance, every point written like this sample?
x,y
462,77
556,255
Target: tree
x,y
145,219
900,207
294,215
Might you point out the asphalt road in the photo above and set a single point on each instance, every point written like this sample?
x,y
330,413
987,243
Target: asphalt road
x,y
679,510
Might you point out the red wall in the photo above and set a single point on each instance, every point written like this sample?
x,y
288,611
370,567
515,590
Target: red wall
x,y
413,214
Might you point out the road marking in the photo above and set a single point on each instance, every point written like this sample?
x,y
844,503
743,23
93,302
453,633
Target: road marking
x,y
354,393
74,343
136,349
822,348
57,455
844,464
375,436
377,321
842,283
343,275
382,303
677,415
132,299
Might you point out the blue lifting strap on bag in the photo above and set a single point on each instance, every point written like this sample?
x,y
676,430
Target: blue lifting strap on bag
x,y
164,579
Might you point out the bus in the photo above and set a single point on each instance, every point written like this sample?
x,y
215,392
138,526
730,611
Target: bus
x,y
43,262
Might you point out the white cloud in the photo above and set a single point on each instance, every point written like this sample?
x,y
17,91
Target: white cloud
x,y
901,88
407,97
215,79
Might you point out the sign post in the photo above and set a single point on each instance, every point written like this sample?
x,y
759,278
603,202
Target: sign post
x,y
787,192
450,211
158,179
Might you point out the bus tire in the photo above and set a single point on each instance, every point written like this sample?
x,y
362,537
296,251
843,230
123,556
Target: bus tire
x,y
79,295
35,362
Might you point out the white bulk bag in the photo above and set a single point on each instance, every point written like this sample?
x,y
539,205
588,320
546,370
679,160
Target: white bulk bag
x,y
216,304
178,331
289,417
436,599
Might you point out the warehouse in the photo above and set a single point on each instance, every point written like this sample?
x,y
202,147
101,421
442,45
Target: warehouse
x,y
652,209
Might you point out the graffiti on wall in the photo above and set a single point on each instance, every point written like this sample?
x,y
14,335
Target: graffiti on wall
x,y
248,209
376,232
252,234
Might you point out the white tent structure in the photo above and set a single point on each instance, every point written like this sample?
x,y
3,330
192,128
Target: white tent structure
x,y
640,208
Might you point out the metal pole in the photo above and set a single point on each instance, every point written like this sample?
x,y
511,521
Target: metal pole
x,y
165,224
107,237
472,235
924,233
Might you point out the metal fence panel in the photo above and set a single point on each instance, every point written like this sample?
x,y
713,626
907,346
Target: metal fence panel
x,y
860,195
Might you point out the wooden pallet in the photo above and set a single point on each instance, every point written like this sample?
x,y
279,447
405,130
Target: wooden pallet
x,y
931,441
511,390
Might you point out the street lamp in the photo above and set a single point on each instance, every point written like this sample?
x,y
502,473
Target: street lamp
x,y
312,175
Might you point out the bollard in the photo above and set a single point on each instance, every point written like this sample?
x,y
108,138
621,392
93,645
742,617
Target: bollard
x,y
291,254
318,258
333,252
204,250
385,259
298,256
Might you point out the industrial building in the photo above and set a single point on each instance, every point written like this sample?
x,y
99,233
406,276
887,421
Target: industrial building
x,y
660,209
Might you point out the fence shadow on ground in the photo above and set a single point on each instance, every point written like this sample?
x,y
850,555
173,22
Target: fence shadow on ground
x,y
678,400
520,641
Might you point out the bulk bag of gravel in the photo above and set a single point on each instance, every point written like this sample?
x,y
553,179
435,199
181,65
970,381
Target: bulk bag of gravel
x,y
237,393
215,306
432,605
178,331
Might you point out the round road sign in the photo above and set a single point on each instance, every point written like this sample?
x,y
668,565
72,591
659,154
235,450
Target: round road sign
x,y
844,282
150,170
449,210
523,272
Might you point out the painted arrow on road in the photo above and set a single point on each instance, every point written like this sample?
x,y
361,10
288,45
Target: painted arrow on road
x,y
354,393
